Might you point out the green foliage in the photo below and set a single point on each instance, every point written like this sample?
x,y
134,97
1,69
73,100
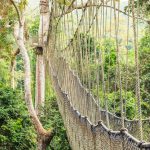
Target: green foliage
x,y
64,2
142,6
144,73
16,131
4,76
109,49
87,44
34,26
53,119
22,4
106,50
7,20
129,99
32,56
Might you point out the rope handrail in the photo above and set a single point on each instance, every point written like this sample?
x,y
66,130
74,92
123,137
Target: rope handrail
x,y
99,124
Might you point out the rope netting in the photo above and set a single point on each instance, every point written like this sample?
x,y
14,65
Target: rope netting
x,y
88,57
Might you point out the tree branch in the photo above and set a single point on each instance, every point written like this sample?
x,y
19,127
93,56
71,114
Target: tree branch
x,y
19,36
74,7
17,10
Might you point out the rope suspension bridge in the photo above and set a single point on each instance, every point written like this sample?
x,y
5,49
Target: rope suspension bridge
x,y
86,39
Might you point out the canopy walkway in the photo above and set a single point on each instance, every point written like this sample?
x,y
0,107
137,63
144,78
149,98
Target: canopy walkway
x,y
76,61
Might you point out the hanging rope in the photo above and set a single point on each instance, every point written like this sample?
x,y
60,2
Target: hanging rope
x,y
79,71
137,73
118,61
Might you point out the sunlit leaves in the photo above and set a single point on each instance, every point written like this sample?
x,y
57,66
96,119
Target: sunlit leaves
x,y
64,2
22,4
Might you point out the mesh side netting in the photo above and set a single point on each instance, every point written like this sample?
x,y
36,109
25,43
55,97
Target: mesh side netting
x,y
88,133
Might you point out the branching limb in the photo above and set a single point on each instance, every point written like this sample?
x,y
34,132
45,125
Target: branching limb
x,y
19,36
17,10
75,7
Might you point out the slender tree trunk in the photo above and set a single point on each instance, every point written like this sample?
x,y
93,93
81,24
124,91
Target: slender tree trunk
x,y
46,136
43,143
40,83
40,65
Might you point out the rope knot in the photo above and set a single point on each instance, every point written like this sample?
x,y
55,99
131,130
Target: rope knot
x,y
122,130
140,144
100,122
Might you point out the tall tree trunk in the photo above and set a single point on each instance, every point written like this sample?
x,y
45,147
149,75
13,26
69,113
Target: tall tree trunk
x,y
40,65
43,142
40,82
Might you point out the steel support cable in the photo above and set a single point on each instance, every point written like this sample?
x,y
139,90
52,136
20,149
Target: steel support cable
x,y
137,73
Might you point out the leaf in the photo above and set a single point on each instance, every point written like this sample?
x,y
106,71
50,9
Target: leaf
x,y
64,2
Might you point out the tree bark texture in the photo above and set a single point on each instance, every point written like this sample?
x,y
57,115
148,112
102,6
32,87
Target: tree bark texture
x,y
19,36
40,64
45,135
